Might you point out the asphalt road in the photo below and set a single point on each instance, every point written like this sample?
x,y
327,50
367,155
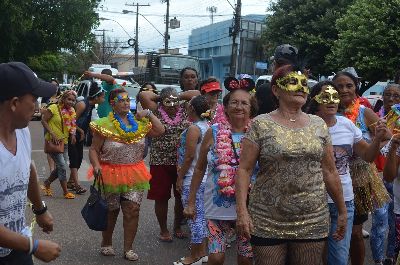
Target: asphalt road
x,y
80,245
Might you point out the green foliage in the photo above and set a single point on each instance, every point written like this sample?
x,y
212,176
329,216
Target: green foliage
x,y
308,25
369,39
31,27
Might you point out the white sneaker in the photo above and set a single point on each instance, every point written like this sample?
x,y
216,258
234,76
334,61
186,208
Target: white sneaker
x,y
365,234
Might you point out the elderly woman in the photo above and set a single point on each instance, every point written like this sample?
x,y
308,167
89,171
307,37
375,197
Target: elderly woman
x,y
59,122
219,155
163,159
211,89
287,217
346,140
370,194
117,154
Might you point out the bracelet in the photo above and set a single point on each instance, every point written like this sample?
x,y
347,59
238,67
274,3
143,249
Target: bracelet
x,y
149,112
30,245
35,246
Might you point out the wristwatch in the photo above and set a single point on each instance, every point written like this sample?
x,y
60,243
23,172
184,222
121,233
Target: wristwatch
x,y
40,211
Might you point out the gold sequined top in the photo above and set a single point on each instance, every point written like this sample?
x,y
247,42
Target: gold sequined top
x,y
289,199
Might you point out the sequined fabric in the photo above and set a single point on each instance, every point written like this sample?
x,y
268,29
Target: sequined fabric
x,y
288,199
119,153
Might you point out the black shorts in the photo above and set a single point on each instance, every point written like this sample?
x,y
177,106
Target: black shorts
x,y
75,153
263,242
359,219
17,258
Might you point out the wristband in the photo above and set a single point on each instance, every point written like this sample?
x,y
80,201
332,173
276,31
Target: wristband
x,y
149,112
35,246
30,245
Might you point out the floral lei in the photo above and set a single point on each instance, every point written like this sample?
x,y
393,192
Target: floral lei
x,y
68,117
219,115
120,126
226,160
177,120
352,111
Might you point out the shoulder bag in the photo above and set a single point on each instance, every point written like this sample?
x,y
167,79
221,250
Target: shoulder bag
x,y
95,211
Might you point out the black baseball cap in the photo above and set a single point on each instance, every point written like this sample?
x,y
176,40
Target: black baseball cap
x,y
286,52
17,79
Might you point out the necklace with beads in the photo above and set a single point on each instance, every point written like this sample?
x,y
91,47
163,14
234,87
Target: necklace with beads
x,y
121,127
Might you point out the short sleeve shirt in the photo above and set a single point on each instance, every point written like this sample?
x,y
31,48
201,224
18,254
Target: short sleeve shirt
x,y
104,108
288,199
56,124
164,148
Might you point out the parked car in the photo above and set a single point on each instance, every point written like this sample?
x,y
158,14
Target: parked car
x,y
262,79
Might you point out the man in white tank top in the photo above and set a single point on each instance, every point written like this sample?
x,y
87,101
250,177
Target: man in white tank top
x,y
19,89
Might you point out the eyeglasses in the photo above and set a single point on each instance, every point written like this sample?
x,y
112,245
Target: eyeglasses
x,y
394,96
236,103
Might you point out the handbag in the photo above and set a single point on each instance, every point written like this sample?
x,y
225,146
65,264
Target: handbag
x,y
95,211
50,146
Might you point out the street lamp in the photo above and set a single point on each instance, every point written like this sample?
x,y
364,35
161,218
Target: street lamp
x,y
103,18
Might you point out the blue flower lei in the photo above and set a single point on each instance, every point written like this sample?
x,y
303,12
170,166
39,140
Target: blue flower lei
x,y
132,123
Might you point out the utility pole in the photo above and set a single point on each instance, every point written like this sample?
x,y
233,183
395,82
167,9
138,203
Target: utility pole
x,y
212,10
137,33
166,36
104,44
234,31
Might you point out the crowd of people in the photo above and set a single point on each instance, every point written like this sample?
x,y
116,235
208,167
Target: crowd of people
x,y
291,173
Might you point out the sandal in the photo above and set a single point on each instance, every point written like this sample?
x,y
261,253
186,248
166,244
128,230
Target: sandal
x,y
107,251
70,185
46,190
167,238
180,262
80,190
69,195
180,234
130,255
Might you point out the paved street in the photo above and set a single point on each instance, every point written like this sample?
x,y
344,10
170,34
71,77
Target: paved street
x,y
80,246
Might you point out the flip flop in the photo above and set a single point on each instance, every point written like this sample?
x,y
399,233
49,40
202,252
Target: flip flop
x,y
180,235
166,239
46,191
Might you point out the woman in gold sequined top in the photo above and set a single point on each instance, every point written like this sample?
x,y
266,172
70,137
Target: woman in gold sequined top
x,y
117,153
287,217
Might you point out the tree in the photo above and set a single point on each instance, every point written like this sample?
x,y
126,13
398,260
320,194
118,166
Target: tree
x,y
31,27
106,53
369,39
308,25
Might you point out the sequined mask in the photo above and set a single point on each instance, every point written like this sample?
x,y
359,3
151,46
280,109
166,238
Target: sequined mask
x,y
170,101
329,96
122,98
294,81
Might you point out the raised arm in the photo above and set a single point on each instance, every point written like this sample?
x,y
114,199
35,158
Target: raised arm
x,y
148,100
188,95
108,78
198,174
369,152
372,121
334,188
157,128
248,159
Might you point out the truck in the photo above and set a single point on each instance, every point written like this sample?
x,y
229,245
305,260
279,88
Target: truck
x,y
164,68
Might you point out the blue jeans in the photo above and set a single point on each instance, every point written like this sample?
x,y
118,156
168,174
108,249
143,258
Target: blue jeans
x,y
61,160
338,251
381,219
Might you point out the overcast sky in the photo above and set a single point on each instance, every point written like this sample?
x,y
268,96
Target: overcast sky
x,y
191,13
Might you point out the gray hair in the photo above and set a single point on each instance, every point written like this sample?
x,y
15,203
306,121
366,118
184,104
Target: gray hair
x,y
167,91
